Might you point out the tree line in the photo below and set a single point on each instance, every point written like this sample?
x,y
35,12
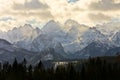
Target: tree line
x,y
92,69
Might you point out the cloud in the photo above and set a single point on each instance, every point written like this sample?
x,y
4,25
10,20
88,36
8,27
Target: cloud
x,y
88,12
32,5
7,25
34,23
7,19
31,8
98,17
42,15
104,5
45,14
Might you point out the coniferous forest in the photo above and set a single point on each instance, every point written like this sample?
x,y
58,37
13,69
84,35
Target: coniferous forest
x,y
92,69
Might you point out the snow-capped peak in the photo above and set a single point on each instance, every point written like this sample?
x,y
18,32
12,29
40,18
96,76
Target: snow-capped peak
x,y
51,26
71,22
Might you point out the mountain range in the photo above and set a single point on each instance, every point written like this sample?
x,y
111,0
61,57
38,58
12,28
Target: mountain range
x,y
57,42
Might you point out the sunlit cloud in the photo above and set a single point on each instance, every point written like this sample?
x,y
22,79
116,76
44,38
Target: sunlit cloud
x,y
99,17
105,5
30,5
88,12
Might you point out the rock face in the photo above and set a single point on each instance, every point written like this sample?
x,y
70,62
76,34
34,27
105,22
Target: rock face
x,y
116,39
113,51
93,50
72,38
8,52
25,32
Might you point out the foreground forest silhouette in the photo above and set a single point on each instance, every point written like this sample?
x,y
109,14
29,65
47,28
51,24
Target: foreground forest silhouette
x,y
92,69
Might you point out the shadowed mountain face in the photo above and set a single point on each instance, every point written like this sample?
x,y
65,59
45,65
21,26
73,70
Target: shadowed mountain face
x,y
8,52
113,51
93,50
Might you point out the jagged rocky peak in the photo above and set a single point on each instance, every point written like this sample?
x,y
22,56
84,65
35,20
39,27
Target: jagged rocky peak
x,y
22,29
25,32
27,25
74,28
116,38
109,28
71,22
94,49
51,26
38,31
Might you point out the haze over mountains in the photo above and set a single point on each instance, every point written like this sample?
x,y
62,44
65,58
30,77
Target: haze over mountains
x,y
57,42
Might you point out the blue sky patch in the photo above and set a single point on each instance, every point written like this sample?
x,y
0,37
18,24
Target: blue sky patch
x,y
72,1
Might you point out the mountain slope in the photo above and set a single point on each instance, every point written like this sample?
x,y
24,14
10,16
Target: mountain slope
x,y
44,42
47,55
113,51
8,52
72,38
116,39
26,32
93,50
109,29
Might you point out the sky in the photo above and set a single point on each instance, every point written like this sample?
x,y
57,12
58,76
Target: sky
x,y
14,13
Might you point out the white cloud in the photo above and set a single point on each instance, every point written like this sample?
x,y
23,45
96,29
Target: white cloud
x,y
105,5
99,17
7,19
30,5
87,12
